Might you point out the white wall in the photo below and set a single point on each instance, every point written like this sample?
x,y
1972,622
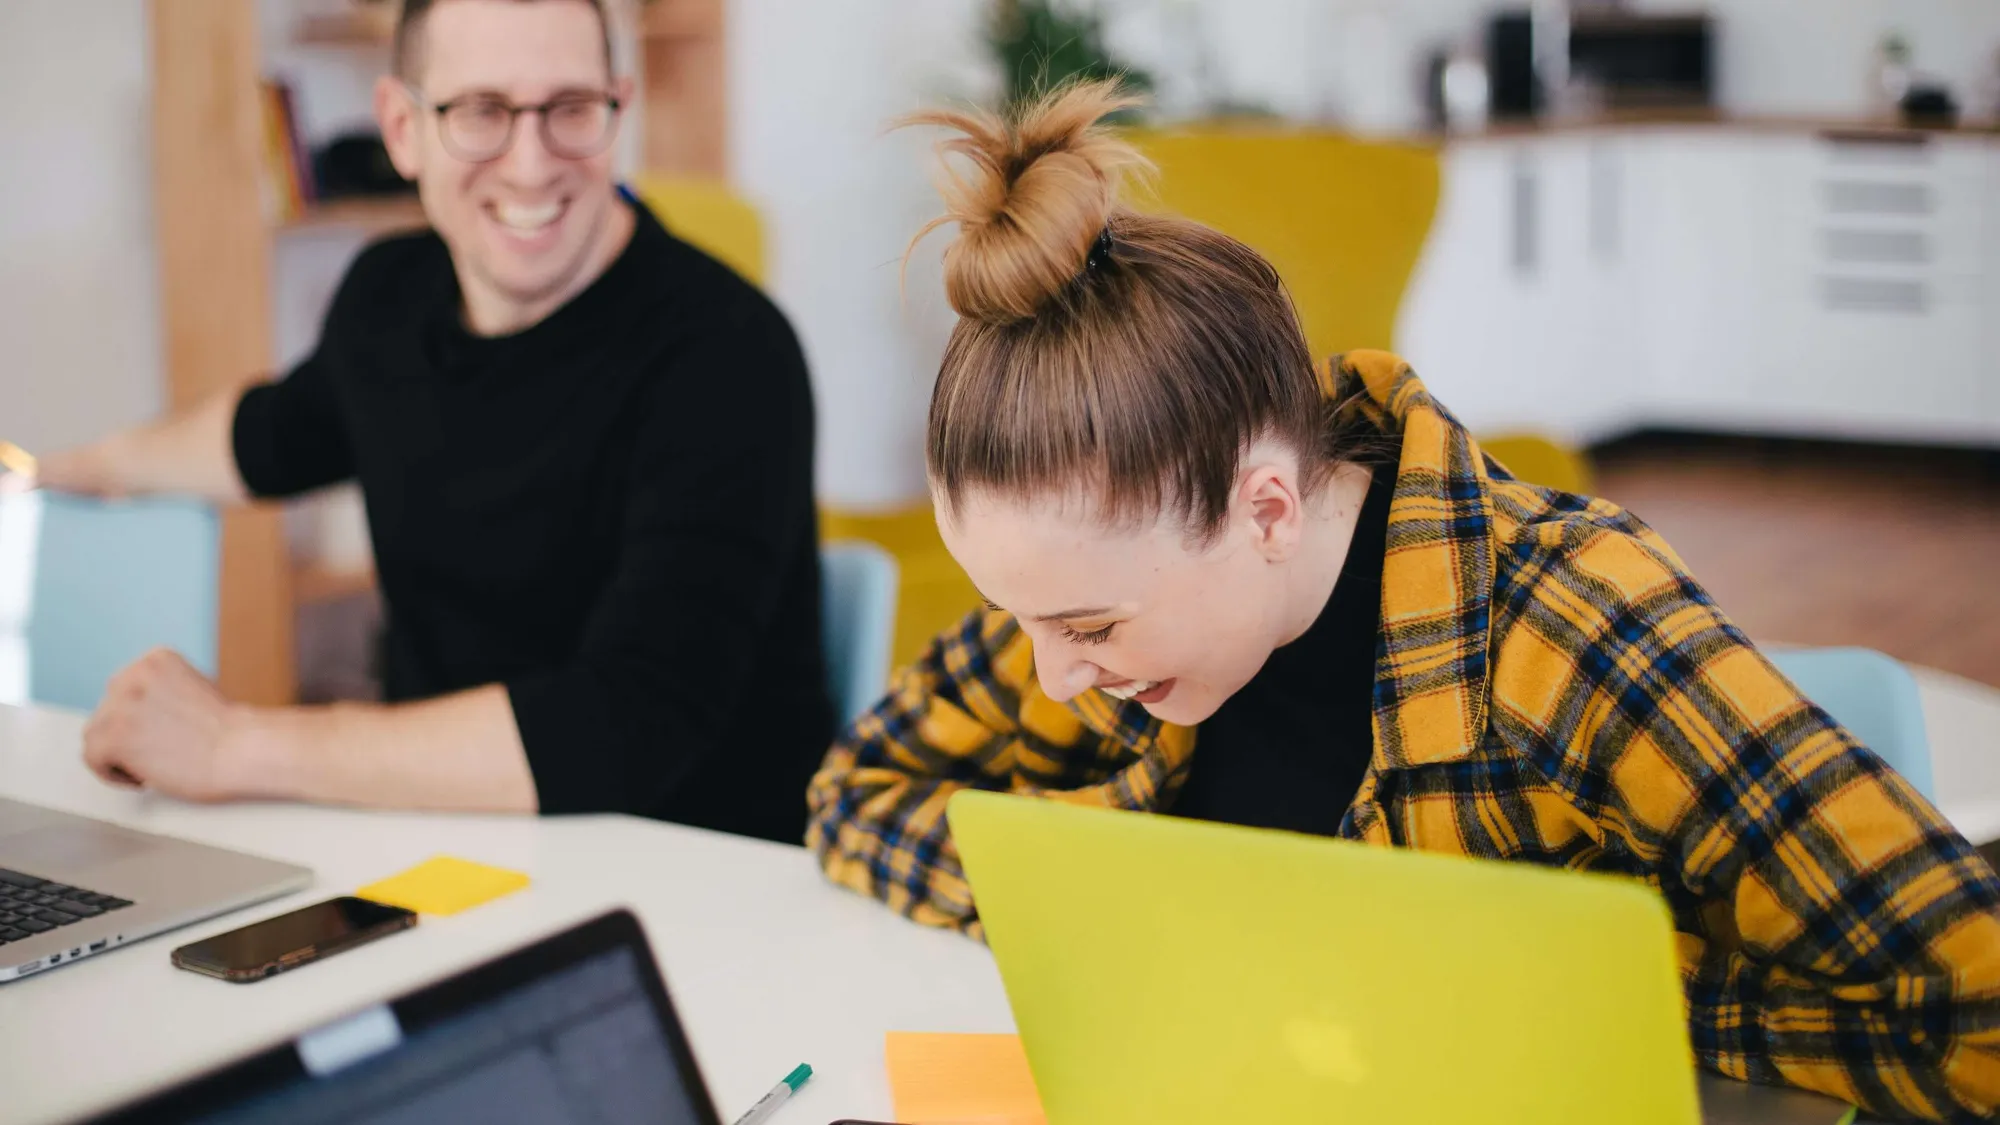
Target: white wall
x,y
79,289
1814,57
812,88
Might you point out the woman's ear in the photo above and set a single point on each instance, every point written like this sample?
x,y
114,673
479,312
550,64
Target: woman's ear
x,y
1268,500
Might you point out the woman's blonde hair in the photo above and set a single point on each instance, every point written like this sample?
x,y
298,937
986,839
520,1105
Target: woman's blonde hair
x,y
1137,354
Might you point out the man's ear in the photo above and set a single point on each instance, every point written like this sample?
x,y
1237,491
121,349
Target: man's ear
x,y
1269,499
396,112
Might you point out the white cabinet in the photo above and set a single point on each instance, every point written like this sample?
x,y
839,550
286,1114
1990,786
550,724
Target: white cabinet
x,y
1457,323
1698,270
1514,316
1871,319
1735,279
1584,257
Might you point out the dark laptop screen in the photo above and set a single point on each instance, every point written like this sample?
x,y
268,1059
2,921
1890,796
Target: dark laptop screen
x,y
538,1037
581,1045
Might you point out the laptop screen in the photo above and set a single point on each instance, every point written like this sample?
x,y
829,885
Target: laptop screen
x,y
561,1032
20,532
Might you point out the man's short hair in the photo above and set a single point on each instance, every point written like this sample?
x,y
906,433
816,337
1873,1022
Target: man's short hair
x,y
410,31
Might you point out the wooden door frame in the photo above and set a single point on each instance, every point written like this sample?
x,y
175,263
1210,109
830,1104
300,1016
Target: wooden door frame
x,y
215,297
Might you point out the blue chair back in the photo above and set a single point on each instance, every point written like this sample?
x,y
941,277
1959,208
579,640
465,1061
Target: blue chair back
x,y
106,583
858,608
1871,695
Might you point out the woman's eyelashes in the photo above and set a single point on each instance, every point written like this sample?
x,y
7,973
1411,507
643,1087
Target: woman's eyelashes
x,y
1075,636
1093,637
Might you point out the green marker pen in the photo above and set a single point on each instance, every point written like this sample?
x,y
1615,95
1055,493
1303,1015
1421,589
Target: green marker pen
x,y
779,1095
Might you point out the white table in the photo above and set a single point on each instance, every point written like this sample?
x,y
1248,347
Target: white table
x,y
1962,720
768,964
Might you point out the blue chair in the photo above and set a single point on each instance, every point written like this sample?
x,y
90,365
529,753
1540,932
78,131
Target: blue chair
x,y
1871,695
858,607
106,583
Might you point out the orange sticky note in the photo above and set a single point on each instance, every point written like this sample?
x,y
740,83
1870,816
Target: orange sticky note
x,y
444,885
944,1079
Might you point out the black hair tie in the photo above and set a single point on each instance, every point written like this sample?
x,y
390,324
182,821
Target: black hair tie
x,y
1100,251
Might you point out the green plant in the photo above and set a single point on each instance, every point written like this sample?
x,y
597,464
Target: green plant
x,y
1042,44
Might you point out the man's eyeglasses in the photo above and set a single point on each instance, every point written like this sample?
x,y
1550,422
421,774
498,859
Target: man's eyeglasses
x,y
480,127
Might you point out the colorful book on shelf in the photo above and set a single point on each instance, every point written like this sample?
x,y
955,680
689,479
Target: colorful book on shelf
x,y
281,199
285,196
308,186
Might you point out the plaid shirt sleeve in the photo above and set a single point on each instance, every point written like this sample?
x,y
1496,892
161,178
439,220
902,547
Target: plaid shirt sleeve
x,y
1835,932
970,715
966,715
877,804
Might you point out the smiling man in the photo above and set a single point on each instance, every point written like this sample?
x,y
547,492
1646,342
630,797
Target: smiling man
x,y
586,453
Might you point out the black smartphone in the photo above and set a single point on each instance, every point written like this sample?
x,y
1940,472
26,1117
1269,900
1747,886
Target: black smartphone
x,y
266,948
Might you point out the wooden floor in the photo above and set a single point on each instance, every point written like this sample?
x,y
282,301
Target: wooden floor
x,y
1818,544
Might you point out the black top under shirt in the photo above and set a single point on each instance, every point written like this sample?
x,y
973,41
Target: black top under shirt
x,y
1289,749
609,512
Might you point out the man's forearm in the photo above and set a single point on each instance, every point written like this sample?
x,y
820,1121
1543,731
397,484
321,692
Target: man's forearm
x,y
459,752
188,454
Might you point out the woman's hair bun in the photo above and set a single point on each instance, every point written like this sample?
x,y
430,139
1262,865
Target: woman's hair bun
x,y
1031,196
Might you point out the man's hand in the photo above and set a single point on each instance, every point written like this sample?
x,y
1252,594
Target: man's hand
x,y
188,454
164,726
85,471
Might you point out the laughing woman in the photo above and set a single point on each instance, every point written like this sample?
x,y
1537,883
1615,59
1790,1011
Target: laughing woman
x,y
1226,584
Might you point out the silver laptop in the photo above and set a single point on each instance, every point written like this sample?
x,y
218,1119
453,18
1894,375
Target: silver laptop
x,y
71,886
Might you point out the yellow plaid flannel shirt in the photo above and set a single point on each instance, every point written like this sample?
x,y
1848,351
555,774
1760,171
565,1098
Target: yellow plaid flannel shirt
x,y
1551,686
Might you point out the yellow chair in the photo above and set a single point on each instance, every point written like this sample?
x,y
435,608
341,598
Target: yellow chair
x,y
1343,220
708,215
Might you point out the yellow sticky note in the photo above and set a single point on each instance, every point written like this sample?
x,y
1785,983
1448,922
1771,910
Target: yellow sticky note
x,y
942,1079
444,885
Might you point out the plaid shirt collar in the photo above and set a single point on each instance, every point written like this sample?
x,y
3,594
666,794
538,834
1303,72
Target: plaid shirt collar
x,y
1437,604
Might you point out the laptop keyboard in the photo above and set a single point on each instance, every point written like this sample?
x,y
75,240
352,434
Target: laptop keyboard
x,y
31,906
